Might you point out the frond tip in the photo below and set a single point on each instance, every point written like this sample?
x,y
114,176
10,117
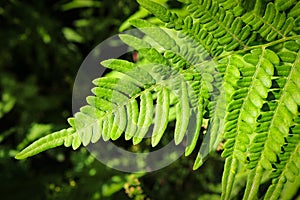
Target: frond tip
x,y
67,137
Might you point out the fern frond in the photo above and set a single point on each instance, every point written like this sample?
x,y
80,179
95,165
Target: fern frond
x,y
274,129
234,65
196,116
256,69
229,31
143,78
67,137
271,25
216,124
153,31
186,25
161,12
287,168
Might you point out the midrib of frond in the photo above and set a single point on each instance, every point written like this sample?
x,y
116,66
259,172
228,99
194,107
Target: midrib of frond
x,y
251,192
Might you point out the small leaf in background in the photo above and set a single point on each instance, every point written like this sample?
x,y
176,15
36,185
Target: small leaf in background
x,y
7,103
80,4
72,35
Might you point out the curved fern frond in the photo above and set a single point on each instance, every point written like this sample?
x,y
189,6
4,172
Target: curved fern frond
x,y
251,90
233,65
65,137
274,130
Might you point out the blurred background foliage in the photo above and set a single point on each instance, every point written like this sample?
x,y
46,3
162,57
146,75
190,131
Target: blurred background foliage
x,y
42,44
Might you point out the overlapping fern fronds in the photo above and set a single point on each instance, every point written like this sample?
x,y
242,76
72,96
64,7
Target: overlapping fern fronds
x,y
233,64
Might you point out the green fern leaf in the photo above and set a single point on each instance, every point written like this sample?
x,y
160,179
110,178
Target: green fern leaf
x,y
182,114
287,169
145,117
67,136
234,65
245,106
161,115
132,113
270,26
275,129
161,12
